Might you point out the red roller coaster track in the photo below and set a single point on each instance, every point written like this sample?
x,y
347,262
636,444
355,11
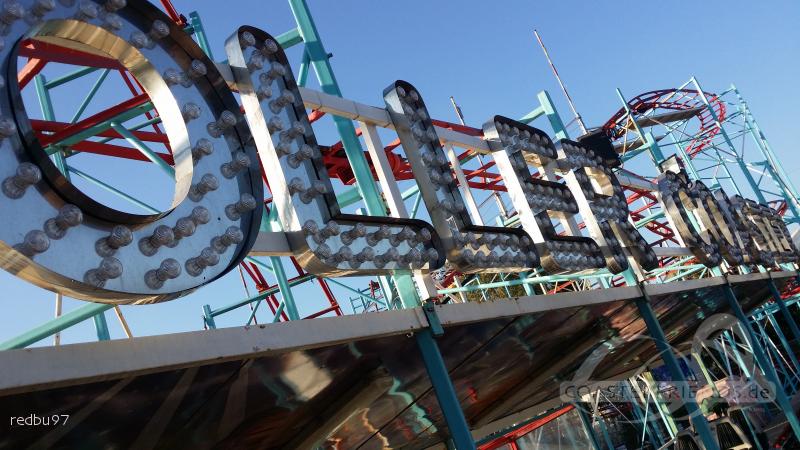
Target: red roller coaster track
x,y
672,100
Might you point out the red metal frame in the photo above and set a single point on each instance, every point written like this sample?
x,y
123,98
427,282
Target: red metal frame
x,y
511,437
675,100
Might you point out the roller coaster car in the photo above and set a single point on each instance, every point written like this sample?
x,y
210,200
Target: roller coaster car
x,y
685,440
728,435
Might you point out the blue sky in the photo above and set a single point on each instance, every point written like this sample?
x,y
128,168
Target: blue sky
x,y
485,55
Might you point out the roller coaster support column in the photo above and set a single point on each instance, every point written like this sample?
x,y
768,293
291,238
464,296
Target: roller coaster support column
x,y
55,325
762,360
352,147
657,333
787,315
587,425
781,179
742,165
440,380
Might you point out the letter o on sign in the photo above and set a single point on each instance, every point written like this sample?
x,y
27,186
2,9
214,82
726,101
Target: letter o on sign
x,y
63,240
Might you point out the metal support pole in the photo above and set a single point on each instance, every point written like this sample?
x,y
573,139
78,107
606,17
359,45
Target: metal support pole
x,y
772,350
549,110
782,180
587,425
285,289
59,300
319,59
758,352
302,73
208,318
49,114
443,388
776,295
54,326
657,333
143,149
742,166
787,345
578,117
200,32
101,326
659,403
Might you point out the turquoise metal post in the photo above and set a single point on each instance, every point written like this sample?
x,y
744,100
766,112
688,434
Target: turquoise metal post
x,y
276,267
785,343
549,109
748,176
443,388
101,326
784,182
286,290
302,73
90,95
143,149
649,429
112,189
587,426
352,147
739,360
654,329
52,327
43,92
200,32
208,317
772,351
758,352
48,113
319,60
787,315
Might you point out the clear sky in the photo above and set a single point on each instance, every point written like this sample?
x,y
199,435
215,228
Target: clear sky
x,y
485,55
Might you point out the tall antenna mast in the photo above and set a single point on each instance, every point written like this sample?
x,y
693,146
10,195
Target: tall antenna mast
x,y
458,110
578,117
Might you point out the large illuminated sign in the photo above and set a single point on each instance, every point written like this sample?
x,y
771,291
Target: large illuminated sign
x,y
218,152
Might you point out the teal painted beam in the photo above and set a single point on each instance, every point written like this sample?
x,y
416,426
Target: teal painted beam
x,y
533,115
99,128
302,74
549,109
137,127
444,391
587,427
655,331
143,149
52,327
208,317
200,32
373,201
55,82
101,326
763,361
260,296
112,189
90,95
289,38
46,104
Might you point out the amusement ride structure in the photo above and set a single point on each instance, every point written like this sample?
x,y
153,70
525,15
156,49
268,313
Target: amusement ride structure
x,y
714,135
